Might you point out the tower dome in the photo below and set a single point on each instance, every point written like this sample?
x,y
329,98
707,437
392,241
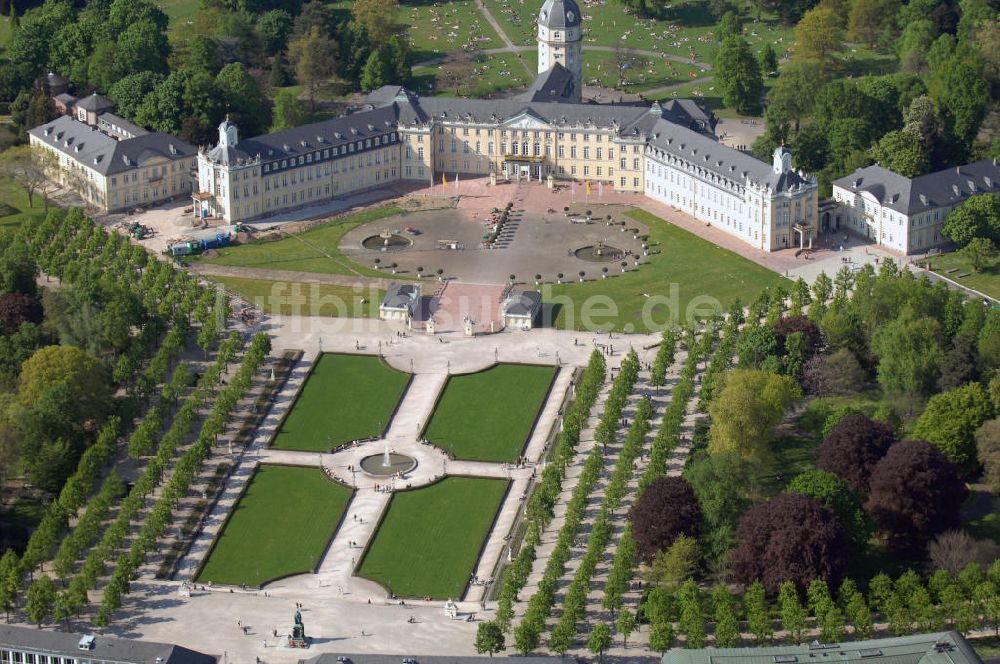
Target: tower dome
x,y
559,15
560,39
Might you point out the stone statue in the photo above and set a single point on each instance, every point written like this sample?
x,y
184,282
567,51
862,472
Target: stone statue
x,y
298,636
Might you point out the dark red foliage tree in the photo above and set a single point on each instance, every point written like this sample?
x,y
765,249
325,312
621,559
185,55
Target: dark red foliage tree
x,y
853,447
666,509
17,308
809,329
915,494
789,538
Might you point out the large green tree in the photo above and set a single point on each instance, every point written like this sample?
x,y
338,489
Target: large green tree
x,y
950,422
909,353
738,74
963,99
902,152
978,216
833,492
82,374
747,410
243,98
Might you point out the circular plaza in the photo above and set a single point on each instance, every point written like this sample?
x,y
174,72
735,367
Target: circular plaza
x,y
476,244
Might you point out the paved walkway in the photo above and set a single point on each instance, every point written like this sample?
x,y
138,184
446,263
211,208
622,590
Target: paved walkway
x,y
484,10
586,47
242,272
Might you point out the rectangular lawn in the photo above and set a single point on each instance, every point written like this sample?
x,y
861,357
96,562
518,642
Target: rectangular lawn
x,y
488,415
280,526
314,250
428,543
346,397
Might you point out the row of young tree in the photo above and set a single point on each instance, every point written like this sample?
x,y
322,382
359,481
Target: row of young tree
x,y
574,606
528,632
184,472
109,538
68,246
541,504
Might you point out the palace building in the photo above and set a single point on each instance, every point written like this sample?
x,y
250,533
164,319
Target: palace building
x,y
667,151
907,214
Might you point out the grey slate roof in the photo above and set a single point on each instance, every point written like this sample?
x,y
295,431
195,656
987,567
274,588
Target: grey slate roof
x,y
311,137
95,102
118,126
523,303
66,98
718,159
106,648
554,85
401,296
935,648
559,14
103,153
331,658
911,196
689,113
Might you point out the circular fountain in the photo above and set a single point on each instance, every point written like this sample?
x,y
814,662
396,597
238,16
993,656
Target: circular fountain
x,y
386,241
599,253
388,463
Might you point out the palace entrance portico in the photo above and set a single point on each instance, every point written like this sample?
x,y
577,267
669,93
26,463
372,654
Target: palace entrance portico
x,y
525,167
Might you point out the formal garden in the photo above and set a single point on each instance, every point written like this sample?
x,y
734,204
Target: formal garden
x,y
345,398
489,415
280,526
430,538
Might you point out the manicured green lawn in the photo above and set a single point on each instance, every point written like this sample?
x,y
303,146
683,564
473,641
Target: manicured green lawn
x,y
303,299
428,543
494,72
488,415
644,72
315,250
179,11
689,30
346,397
704,275
986,282
281,526
439,28
14,207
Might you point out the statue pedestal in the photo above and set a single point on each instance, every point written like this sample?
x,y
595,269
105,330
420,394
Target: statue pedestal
x,y
297,642
550,182
493,179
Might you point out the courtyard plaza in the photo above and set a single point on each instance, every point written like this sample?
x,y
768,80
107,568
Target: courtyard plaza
x,y
336,609
473,198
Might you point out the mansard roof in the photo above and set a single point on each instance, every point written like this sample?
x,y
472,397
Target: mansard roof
x,y
714,158
311,137
556,84
908,196
95,149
